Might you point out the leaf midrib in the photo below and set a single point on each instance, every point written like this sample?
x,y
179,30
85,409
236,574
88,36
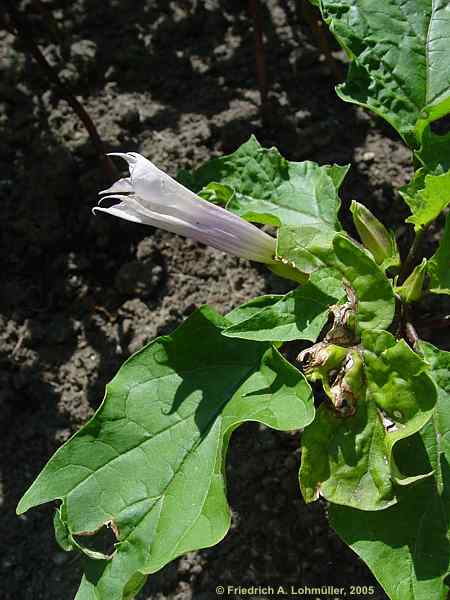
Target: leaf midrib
x,y
157,434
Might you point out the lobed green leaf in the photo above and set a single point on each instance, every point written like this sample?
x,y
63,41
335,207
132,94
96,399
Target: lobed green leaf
x,y
261,186
149,464
407,546
434,152
399,384
311,248
349,460
398,50
344,459
298,315
426,196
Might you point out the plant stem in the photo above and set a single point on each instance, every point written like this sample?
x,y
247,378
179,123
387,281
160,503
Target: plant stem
x,y
261,71
413,257
411,334
26,35
315,23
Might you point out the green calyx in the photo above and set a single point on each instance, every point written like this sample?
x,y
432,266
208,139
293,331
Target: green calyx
x,y
374,235
412,288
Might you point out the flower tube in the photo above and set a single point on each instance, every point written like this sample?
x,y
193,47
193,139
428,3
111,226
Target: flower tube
x,y
151,197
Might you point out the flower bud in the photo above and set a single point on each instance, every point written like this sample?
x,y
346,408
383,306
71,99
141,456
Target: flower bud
x,y
374,235
411,289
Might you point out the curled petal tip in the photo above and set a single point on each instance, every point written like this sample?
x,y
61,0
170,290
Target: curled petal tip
x,y
130,157
120,186
119,197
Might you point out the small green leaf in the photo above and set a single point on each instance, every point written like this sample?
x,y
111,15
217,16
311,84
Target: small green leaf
x,y
269,189
299,315
217,193
311,248
407,546
62,533
150,462
398,51
426,196
439,264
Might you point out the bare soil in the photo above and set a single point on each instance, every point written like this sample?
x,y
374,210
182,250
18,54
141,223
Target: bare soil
x,y
176,82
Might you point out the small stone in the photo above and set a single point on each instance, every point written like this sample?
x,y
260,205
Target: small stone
x,y
145,249
83,51
302,117
111,73
69,75
368,156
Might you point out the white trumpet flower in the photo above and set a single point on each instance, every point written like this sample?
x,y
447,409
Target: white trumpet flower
x,y
151,197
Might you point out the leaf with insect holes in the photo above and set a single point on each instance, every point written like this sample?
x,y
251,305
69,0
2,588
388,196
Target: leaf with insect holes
x,y
399,384
313,248
150,462
399,53
349,460
407,546
344,459
298,315
261,186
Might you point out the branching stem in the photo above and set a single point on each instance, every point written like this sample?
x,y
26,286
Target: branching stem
x,y
411,334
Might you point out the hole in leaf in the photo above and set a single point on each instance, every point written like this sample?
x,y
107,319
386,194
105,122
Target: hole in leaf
x,y
103,540
411,457
441,126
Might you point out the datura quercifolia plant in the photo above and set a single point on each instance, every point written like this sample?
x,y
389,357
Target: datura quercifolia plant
x,y
149,464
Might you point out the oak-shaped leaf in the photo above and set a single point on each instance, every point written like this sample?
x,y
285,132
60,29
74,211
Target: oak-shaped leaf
x,y
150,462
310,249
398,51
262,186
427,196
298,315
